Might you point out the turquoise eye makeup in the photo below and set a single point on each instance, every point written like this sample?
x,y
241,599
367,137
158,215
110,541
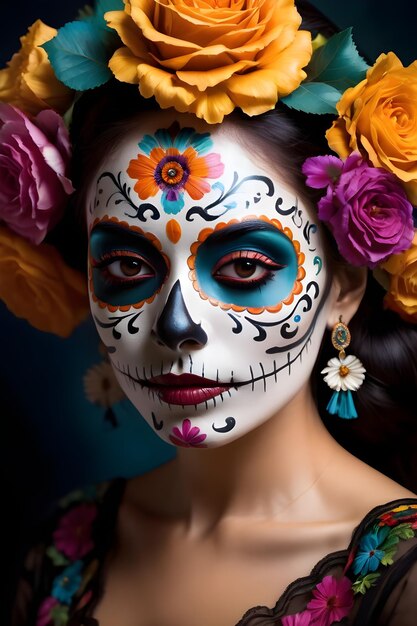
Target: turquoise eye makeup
x,y
126,267
245,269
251,264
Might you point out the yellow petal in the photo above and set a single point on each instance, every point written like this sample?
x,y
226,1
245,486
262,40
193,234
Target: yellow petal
x,y
212,106
338,138
203,80
156,82
124,66
128,32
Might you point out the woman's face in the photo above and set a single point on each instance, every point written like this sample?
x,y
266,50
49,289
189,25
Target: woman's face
x,y
207,279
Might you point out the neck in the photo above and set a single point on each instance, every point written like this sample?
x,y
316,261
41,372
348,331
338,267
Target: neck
x,y
264,474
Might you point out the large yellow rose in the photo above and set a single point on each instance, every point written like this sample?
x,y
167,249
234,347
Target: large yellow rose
x,y
402,294
29,82
210,56
378,117
37,285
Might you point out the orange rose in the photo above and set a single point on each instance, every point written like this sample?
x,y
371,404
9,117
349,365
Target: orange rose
x,y
378,117
29,82
208,57
37,285
402,294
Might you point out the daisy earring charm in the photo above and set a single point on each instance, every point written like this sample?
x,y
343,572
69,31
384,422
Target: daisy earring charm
x,y
343,374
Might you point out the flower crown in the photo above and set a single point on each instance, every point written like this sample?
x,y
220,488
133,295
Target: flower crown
x,y
206,58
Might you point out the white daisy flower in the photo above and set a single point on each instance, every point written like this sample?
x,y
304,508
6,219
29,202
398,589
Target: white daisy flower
x,y
344,374
101,386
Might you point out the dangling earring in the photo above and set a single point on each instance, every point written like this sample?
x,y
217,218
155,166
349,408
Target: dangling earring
x,y
344,374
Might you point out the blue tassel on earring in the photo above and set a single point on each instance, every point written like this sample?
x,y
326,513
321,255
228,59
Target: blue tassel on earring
x,y
341,404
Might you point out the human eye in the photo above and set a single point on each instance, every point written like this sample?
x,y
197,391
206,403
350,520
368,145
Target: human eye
x,y
245,269
250,265
124,267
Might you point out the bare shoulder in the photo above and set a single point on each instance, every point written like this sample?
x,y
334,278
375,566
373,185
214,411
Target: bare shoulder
x,y
364,487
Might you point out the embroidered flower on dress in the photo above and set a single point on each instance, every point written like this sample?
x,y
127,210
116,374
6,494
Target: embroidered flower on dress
x,y
67,583
369,553
188,437
344,374
299,619
177,163
73,535
404,512
332,601
45,611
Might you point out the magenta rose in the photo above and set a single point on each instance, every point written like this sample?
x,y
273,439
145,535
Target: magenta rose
x,y
34,157
366,208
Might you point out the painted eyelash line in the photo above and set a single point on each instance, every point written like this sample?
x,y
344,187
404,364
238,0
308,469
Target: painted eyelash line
x,y
250,255
115,255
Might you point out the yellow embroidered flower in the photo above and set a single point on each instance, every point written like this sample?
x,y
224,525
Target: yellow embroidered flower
x,y
402,294
29,82
37,285
210,56
378,117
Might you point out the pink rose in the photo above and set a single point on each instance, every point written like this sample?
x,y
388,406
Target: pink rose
x,y
365,207
34,157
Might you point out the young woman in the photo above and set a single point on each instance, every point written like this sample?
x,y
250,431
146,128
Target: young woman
x,y
212,282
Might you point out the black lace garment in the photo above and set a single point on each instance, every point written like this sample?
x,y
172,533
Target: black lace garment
x,y
373,582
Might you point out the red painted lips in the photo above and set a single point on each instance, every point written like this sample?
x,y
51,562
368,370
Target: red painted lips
x,y
186,389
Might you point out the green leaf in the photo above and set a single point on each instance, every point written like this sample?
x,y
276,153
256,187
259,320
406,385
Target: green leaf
x,y
362,584
388,558
80,53
56,557
59,615
313,98
390,543
403,531
337,63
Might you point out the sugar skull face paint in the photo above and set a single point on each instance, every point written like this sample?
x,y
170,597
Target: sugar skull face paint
x,y
212,318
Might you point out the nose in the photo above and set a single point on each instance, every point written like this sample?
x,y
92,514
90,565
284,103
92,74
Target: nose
x,y
175,328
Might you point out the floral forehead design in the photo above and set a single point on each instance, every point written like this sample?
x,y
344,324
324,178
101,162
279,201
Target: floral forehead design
x,y
205,58
176,162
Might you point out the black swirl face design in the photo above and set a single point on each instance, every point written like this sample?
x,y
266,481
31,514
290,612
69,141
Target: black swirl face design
x,y
212,307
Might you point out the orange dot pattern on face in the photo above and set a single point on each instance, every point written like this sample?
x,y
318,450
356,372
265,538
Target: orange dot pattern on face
x,y
173,231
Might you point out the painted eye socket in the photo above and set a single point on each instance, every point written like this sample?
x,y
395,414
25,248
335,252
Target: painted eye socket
x,y
127,268
247,265
124,267
245,268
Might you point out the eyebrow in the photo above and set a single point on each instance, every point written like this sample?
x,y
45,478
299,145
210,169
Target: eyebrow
x,y
117,229
229,233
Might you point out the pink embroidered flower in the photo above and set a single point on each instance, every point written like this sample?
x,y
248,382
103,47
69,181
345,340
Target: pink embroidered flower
x,y
366,208
299,619
188,436
34,157
44,614
332,601
73,535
